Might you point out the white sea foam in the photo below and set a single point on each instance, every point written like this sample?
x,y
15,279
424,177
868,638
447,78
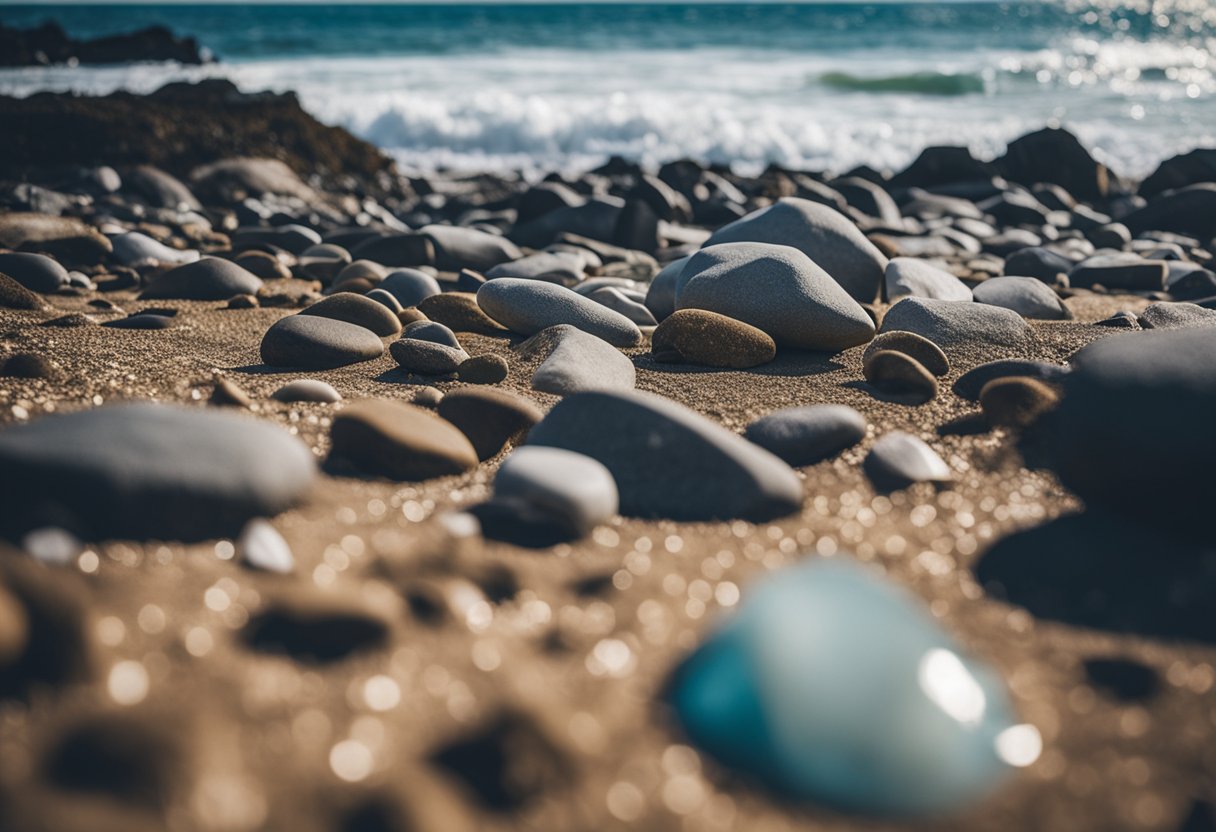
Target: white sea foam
x,y
1133,102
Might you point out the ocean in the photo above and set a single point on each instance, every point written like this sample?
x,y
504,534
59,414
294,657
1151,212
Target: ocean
x,y
821,86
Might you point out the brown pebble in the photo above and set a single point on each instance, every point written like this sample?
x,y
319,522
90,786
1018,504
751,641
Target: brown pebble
x,y
489,418
228,393
15,296
710,339
29,365
243,302
14,628
900,374
70,321
459,312
428,397
411,314
264,265
1016,401
483,369
399,441
928,354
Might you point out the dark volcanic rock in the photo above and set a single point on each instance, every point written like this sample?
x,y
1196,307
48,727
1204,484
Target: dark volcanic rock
x,y
49,44
148,471
1055,155
1190,210
1188,169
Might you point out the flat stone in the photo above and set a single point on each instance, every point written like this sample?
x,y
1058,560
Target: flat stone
x,y
1040,263
1168,315
825,235
577,362
307,390
810,434
459,312
528,306
1133,431
67,239
410,286
928,354
908,277
459,248
886,716
34,272
950,323
399,441
901,375
431,331
561,487
1028,296
972,382
899,459
552,267
489,418
208,279
484,369
1119,271
144,471
777,289
315,343
262,547
697,336
1016,402
416,355
669,461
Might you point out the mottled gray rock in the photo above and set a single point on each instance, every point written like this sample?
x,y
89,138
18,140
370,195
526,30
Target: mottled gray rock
x,y
825,235
143,471
777,289
906,277
208,279
949,323
900,459
1166,315
528,306
1028,296
669,461
577,361
807,435
315,343
420,356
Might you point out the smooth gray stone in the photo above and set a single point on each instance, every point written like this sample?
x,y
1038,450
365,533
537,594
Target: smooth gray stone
x,y
137,250
307,390
616,300
159,189
578,492
807,435
1167,315
416,355
315,343
262,547
528,306
825,235
832,685
1040,263
144,471
669,461
1133,431
907,277
900,459
207,279
1120,271
385,299
35,272
1028,296
410,286
553,267
431,331
972,382
623,283
661,296
777,289
459,248
356,309
950,323
578,361
142,321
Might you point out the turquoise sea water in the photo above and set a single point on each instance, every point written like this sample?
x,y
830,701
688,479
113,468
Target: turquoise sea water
x,y
820,85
